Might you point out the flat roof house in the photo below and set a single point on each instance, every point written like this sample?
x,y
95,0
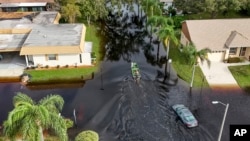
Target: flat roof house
x,y
43,42
225,37
56,45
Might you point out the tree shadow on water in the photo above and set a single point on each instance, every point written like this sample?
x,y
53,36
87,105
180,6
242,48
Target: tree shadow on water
x,y
123,36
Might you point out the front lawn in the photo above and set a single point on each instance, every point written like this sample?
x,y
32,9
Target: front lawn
x,y
61,74
241,75
184,70
70,74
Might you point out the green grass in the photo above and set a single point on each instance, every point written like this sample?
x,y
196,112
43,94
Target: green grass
x,y
184,70
70,74
61,74
241,75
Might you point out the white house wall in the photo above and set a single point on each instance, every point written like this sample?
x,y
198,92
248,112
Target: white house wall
x,y
63,60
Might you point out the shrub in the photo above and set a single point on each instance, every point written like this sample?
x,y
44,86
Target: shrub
x,y
234,60
87,136
69,123
39,65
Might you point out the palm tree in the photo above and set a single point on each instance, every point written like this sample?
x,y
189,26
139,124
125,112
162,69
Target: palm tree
x,y
151,8
167,34
152,21
29,118
156,23
193,55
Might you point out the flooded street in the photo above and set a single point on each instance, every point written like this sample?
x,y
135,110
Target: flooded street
x,y
122,110
119,109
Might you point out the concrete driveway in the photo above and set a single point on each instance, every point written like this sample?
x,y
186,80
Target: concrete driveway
x,y
12,65
219,75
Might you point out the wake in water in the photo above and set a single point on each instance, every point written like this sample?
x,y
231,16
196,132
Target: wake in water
x,y
144,114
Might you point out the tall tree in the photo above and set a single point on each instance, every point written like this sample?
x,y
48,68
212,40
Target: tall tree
x,y
193,56
189,6
215,7
167,34
93,9
245,7
29,118
156,23
70,11
152,7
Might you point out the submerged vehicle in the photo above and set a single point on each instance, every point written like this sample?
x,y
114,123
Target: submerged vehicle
x,y
185,115
135,71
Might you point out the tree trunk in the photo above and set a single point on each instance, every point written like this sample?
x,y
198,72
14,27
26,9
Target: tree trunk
x,y
191,84
41,133
166,73
158,50
88,20
166,67
166,42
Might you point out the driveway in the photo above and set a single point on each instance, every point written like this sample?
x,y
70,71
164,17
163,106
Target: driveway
x,y
219,75
12,65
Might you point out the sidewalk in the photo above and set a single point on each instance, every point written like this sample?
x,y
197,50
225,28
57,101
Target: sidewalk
x,y
219,75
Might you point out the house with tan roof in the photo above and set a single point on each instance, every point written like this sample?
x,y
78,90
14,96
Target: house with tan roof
x,y
225,37
42,42
25,5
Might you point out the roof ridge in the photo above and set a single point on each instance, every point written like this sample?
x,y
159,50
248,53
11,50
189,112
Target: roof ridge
x,y
232,36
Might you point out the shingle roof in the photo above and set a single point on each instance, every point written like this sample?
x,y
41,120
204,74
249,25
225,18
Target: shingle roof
x,y
217,33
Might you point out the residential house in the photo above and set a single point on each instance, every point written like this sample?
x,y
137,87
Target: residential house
x,y
25,5
225,37
53,45
45,43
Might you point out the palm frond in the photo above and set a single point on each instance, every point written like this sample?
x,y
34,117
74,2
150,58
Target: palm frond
x,y
192,54
52,102
29,119
59,126
21,98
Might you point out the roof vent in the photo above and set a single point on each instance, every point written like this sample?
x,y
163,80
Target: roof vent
x,y
44,36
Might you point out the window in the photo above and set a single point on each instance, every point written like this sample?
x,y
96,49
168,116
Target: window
x,y
233,50
51,57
